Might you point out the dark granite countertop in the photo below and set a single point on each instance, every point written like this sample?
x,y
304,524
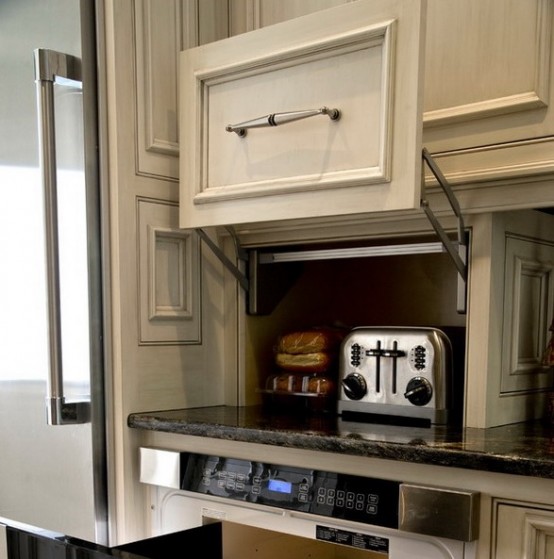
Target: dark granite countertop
x,y
523,448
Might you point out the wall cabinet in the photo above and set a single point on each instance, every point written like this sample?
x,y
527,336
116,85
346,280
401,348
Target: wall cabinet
x,y
487,87
361,60
489,97
488,92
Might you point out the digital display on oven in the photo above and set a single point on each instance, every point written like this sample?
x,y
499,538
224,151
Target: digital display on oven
x,y
280,486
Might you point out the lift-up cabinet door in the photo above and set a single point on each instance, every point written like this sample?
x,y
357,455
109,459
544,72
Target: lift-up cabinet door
x,y
362,60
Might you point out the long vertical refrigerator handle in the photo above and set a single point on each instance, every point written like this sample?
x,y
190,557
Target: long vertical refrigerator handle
x,y
50,65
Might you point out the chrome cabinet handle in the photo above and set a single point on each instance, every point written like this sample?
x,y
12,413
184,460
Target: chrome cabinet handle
x,y
275,119
49,65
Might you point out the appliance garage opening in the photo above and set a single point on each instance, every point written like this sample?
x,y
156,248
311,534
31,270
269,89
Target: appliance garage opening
x,y
393,295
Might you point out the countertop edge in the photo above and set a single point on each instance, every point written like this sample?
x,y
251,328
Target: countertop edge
x,y
416,451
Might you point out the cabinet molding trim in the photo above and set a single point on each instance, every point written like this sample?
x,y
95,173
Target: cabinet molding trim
x,y
177,246
538,530
378,171
536,98
156,85
169,274
502,161
528,297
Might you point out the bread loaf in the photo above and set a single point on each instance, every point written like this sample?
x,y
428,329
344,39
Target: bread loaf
x,y
317,362
312,341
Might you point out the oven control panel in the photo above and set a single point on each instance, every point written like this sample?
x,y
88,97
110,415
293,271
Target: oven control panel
x,y
361,499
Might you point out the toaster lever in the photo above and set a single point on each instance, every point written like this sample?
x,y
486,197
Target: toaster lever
x,y
385,353
393,353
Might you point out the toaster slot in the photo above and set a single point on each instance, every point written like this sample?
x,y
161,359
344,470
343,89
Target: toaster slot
x,y
377,354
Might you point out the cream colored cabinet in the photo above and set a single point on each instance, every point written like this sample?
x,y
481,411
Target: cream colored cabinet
x,y
489,98
315,117
511,297
488,89
522,530
159,285
161,31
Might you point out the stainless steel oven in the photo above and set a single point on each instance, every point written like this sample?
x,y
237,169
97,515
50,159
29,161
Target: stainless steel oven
x,y
275,510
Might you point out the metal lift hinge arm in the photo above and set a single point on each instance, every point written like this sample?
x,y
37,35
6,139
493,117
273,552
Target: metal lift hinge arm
x,y
231,266
459,255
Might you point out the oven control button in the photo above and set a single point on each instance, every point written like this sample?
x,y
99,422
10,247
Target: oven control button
x,y
419,391
355,386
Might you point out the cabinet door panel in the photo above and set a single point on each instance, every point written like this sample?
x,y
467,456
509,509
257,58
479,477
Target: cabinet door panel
x,y
528,297
361,58
489,92
161,31
523,532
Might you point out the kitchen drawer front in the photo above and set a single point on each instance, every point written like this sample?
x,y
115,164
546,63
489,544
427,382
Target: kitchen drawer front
x,y
362,59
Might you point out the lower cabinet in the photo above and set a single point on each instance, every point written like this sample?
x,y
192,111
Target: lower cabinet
x,y
523,531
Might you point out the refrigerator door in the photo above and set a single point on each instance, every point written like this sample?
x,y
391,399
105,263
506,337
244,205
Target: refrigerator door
x,y
52,469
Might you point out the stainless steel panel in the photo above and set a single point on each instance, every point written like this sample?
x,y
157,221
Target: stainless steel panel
x,y
384,370
51,478
435,511
160,467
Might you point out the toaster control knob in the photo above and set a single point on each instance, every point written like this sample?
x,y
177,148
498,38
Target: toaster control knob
x,y
355,386
419,391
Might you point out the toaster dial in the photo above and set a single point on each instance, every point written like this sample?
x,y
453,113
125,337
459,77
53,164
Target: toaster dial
x,y
419,391
355,386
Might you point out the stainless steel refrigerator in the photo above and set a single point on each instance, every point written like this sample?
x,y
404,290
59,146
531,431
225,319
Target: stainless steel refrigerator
x,y
52,420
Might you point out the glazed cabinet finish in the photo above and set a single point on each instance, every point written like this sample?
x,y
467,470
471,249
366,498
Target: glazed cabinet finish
x,y
523,530
489,94
161,286
511,298
162,30
361,59
171,303
488,90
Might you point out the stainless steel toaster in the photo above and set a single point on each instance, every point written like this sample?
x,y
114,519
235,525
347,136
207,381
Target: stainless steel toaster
x,y
396,371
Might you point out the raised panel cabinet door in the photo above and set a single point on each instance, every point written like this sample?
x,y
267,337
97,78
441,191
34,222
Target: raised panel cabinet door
x,y
489,93
161,31
332,108
523,531
511,301
246,15
528,300
169,276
